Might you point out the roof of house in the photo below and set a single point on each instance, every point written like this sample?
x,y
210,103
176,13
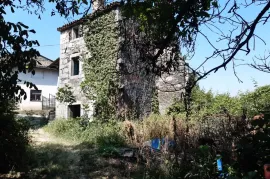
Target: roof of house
x,y
55,63
44,62
95,14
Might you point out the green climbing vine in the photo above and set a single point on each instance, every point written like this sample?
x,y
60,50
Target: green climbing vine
x,y
155,102
65,95
100,84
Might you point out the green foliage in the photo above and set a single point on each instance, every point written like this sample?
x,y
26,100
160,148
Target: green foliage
x,y
176,108
16,50
13,139
99,134
167,22
206,103
65,95
253,150
256,101
17,54
101,38
224,103
202,165
155,102
201,103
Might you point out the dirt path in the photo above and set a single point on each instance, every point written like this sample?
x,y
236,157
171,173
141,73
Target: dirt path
x,y
54,157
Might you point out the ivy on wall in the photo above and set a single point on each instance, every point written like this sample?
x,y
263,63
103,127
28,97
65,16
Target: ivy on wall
x,y
155,102
100,84
65,95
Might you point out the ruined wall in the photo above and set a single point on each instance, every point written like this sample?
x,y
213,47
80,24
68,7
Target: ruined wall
x,y
68,50
170,88
136,83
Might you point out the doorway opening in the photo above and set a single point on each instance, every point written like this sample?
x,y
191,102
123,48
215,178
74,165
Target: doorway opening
x,y
74,111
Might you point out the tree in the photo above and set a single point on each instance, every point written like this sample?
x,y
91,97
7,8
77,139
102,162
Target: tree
x,y
186,20
16,50
17,55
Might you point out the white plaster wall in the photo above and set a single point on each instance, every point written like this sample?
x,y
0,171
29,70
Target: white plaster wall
x,y
45,80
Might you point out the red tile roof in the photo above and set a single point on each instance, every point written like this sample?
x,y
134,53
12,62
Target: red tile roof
x,y
95,14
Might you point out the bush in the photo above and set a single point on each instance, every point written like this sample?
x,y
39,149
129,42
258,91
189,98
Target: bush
x,y
196,148
198,142
253,150
68,129
13,142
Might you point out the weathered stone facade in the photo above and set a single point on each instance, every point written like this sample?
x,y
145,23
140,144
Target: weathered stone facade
x,y
69,49
136,86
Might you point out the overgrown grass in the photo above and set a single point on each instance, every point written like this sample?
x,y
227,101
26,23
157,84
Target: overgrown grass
x,y
52,161
197,142
96,133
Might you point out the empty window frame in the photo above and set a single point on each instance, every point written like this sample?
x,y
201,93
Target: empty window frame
x,y
75,66
35,95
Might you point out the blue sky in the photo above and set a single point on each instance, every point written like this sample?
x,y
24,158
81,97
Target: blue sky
x,y
222,81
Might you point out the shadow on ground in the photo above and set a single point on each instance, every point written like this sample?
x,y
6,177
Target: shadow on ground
x,y
34,122
78,162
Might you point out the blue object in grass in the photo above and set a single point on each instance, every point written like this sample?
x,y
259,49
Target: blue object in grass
x,y
155,144
219,163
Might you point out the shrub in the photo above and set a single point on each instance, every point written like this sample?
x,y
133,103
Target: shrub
x,y
13,142
68,129
253,150
198,141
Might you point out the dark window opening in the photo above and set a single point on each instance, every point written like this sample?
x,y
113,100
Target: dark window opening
x,y
35,95
75,111
76,32
75,66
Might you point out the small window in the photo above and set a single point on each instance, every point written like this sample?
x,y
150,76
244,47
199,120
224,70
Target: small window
x,y
35,95
75,66
75,32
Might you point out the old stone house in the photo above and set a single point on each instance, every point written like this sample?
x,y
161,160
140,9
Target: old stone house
x,y
136,87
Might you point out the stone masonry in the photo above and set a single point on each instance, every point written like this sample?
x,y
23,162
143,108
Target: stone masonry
x,y
137,87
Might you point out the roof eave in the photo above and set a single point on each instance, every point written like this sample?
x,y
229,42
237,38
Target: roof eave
x,y
90,16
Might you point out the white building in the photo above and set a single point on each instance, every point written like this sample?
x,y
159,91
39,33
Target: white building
x,y
45,79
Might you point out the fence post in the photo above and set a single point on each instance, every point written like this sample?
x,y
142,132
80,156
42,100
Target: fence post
x,y
49,100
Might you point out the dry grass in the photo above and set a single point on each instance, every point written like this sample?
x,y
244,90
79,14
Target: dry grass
x,y
53,157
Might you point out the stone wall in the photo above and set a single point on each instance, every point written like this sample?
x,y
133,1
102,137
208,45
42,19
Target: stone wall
x,y
136,84
68,50
170,88
138,81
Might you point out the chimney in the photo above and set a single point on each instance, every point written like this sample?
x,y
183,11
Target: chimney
x,y
97,5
